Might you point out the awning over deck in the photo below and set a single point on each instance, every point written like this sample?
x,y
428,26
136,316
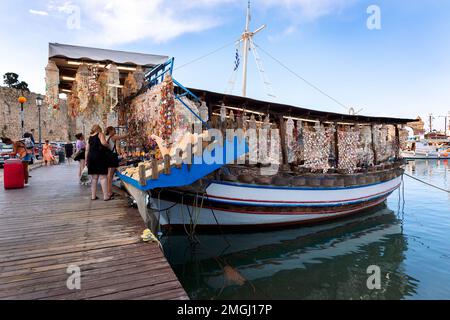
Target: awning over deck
x,y
69,57
215,100
102,55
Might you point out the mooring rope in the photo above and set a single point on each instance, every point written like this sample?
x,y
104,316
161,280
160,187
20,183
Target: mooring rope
x,y
429,184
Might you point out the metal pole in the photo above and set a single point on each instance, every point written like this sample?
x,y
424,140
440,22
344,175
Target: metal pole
x,y
445,131
22,119
40,133
245,37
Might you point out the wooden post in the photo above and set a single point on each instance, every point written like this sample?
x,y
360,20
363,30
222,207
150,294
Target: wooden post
x,y
284,151
397,142
142,177
210,110
167,164
336,144
375,160
155,172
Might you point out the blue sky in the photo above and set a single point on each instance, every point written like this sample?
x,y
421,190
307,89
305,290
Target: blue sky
x,y
400,70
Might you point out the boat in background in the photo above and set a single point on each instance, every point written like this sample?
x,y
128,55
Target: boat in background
x,y
431,149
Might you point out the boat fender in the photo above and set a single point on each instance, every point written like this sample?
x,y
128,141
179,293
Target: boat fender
x,y
313,182
328,182
340,182
350,181
246,178
280,181
263,180
361,180
299,181
229,177
370,179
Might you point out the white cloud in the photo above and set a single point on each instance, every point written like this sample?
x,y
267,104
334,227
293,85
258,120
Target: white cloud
x,y
310,10
119,22
38,13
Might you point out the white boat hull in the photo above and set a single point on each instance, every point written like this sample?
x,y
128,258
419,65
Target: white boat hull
x,y
255,206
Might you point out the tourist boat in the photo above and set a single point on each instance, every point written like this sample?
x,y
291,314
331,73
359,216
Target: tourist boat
x,y
325,181
325,165
427,149
242,196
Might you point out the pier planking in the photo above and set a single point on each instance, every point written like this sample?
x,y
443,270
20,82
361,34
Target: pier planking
x,y
52,224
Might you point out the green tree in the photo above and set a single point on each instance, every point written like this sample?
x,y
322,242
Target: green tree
x,y
23,86
10,79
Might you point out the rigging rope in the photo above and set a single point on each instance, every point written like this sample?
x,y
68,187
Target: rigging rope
x,y
204,56
303,79
429,184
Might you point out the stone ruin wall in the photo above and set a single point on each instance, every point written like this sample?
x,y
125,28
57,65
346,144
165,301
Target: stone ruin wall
x,y
56,125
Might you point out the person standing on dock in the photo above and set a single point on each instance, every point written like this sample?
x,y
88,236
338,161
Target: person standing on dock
x,y
47,154
112,139
23,153
80,153
97,162
68,148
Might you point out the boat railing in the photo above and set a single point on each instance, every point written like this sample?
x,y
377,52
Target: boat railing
x,y
251,175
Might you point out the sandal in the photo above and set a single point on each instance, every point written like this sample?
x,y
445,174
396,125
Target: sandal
x,y
109,199
96,198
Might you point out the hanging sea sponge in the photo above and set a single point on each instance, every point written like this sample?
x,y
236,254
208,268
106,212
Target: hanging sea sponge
x,y
52,84
82,80
113,85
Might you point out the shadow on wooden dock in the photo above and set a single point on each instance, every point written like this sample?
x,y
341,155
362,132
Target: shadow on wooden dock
x,y
52,225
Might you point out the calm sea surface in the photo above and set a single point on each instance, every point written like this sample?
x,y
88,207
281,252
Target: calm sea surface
x,y
409,240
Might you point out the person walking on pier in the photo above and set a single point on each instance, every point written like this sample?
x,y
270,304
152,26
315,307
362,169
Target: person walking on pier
x,y
68,148
112,139
80,153
97,162
49,159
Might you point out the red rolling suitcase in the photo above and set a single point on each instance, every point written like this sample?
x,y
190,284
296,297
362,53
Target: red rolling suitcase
x,y
13,175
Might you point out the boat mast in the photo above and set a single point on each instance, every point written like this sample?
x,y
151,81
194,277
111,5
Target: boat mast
x,y
247,38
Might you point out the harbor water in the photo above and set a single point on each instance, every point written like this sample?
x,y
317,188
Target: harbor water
x,y
409,240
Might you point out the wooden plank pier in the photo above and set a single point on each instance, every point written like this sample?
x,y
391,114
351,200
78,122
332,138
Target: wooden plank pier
x,y
52,225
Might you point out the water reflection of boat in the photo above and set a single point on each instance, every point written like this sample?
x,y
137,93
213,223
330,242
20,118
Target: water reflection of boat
x,y
328,261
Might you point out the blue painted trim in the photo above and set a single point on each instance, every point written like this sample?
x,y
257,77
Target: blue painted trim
x,y
192,111
187,90
154,75
187,175
236,184
303,205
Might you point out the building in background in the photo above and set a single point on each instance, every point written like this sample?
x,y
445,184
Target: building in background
x,y
418,127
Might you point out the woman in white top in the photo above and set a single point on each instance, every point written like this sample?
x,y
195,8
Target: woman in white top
x,y
113,164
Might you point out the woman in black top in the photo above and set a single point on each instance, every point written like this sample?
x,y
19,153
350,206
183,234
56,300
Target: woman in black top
x,y
97,161
68,147
112,139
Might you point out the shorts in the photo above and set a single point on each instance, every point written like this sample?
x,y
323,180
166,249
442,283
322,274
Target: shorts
x,y
28,158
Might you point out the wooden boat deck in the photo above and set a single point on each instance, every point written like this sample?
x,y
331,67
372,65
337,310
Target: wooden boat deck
x,y
52,224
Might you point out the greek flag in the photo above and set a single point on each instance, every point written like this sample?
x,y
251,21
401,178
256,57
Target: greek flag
x,y
237,62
